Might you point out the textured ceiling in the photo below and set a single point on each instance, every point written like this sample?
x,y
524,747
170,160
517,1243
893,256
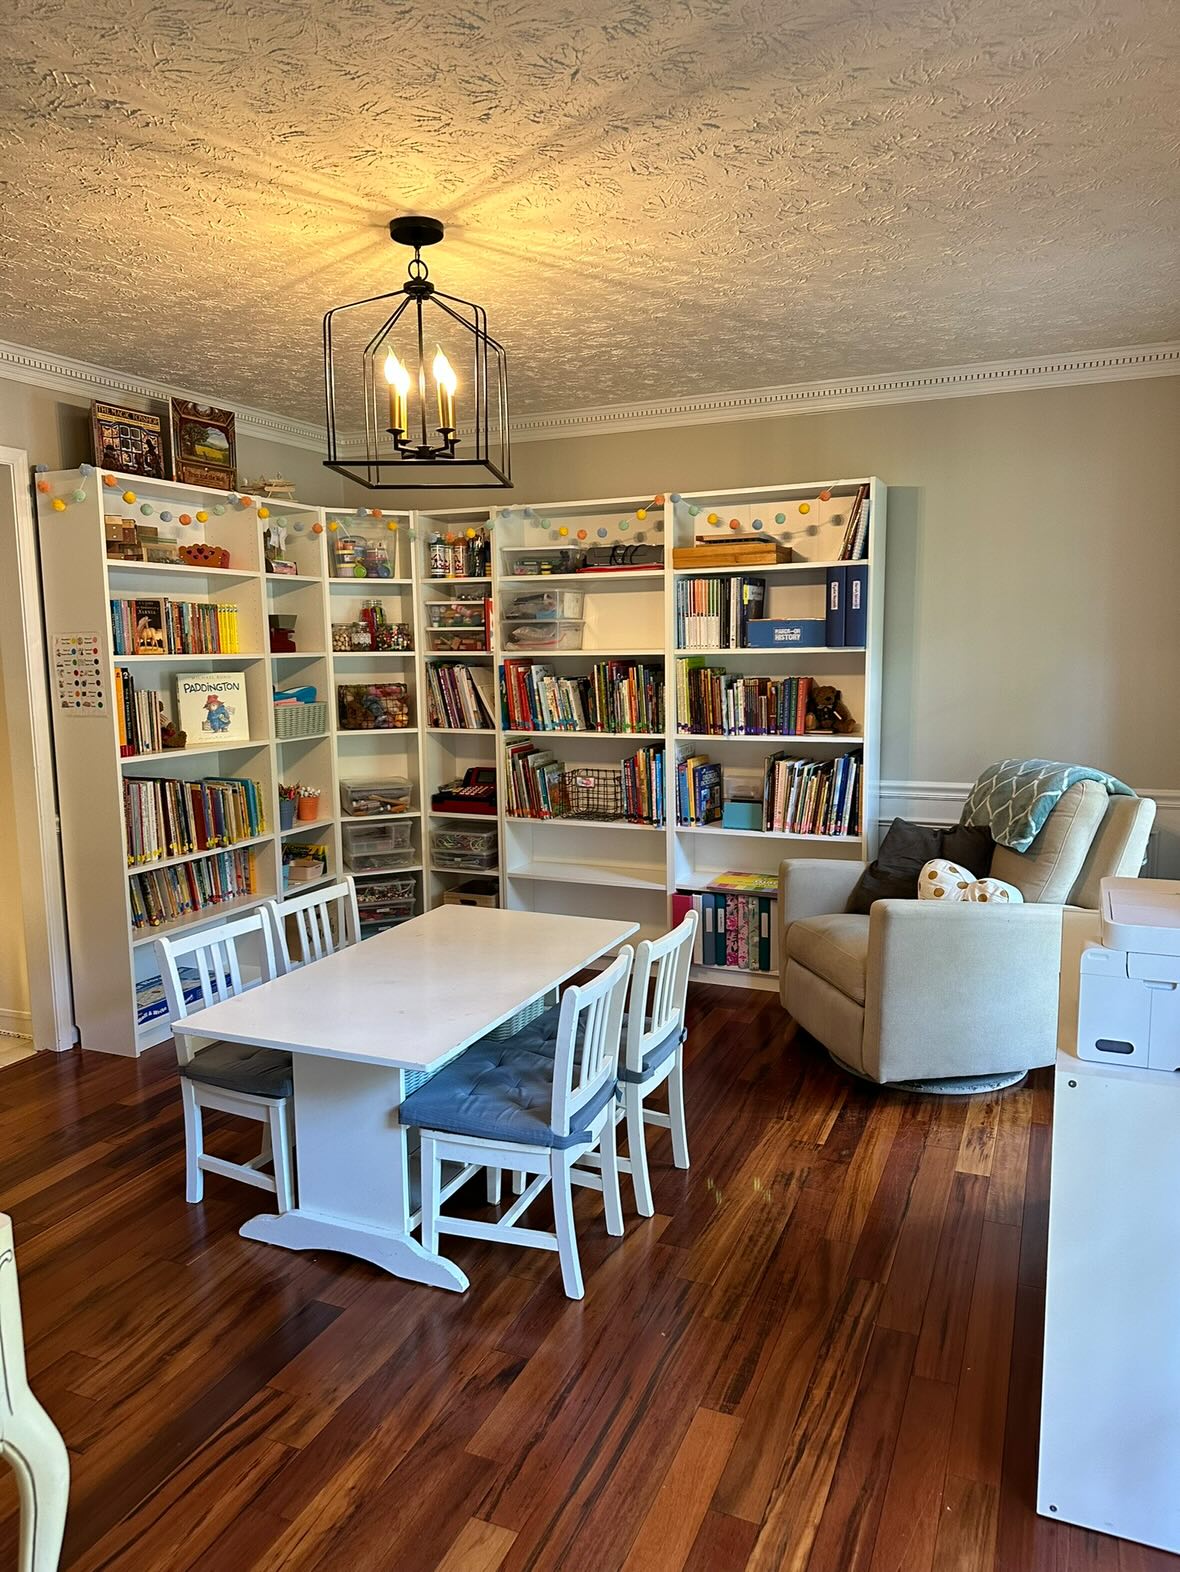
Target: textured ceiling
x,y
651,198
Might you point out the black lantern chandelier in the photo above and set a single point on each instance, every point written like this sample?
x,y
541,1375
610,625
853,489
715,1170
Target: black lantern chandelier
x,y
429,408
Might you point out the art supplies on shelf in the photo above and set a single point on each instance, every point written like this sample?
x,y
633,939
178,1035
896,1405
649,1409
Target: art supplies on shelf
x,y
374,848
372,631
856,532
474,792
462,624
715,702
541,786
299,712
358,557
154,625
372,706
167,895
810,797
715,612
304,862
173,818
743,551
383,903
698,790
735,930
211,706
459,697
464,851
617,696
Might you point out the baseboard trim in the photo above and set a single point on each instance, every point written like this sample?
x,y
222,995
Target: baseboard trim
x,y
19,1021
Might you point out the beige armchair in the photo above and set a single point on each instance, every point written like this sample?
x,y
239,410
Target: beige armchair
x,y
955,998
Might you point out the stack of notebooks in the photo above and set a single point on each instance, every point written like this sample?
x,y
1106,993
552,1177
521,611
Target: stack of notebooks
x,y
174,627
168,894
735,929
460,697
698,790
617,696
720,703
713,612
138,715
806,797
171,818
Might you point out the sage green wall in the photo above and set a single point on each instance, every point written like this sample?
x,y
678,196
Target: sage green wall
x,y
1033,580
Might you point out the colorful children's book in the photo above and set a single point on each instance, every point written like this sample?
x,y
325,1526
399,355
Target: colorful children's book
x,y
211,707
746,883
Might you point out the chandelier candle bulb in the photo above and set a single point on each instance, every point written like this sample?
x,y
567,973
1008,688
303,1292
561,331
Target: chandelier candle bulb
x,y
399,388
446,382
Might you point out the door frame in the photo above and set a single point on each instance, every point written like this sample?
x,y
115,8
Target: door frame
x,y
35,820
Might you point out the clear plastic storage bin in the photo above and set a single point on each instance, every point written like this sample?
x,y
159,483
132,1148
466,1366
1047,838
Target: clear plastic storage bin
x,y
378,846
455,613
557,635
546,606
458,640
473,849
361,798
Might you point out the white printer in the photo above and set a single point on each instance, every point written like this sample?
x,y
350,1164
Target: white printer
x,y
1129,995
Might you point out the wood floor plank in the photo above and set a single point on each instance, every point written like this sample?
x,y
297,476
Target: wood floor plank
x,y
944,1321
722,1543
977,1439
978,1142
854,1199
967,1528
1034,1241
478,1547
796,1505
675,1516
907,1529
1005,1193
904,1301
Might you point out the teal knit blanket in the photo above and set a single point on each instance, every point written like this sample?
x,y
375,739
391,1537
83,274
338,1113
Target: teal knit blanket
x,y
1014,797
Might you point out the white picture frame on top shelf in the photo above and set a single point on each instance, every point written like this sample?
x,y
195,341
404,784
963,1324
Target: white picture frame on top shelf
x,y
211,707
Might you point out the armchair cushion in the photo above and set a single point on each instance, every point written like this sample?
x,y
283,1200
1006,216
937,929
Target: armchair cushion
x,y
1047,871
904,851
835,948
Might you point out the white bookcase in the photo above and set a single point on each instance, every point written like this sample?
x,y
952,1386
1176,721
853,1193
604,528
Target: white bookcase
x,y
562,866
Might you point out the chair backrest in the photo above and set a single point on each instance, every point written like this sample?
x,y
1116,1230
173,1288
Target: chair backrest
x,y
659,990
325,920
1117,850
586,1054
213,955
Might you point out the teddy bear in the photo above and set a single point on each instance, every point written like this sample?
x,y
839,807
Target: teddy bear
x,y
826,711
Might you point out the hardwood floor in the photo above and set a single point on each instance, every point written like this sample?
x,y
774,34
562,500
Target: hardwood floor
x,y
821,1354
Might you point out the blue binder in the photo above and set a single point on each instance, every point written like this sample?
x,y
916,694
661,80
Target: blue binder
x,y
834,617
856,616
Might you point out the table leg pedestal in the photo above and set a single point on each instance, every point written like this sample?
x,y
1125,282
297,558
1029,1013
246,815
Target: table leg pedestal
x,y
352,1173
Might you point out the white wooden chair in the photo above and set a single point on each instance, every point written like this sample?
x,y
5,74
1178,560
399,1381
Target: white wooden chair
x,y
501,1105
325,920
652,1053
29,1440
253,1083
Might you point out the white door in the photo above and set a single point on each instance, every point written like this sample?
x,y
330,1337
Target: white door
x,y
34,834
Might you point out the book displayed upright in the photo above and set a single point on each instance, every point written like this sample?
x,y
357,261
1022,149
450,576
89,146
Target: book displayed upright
x,y
211,707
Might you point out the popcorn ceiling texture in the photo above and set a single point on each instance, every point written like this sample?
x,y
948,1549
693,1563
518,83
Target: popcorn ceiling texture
x,y
652,199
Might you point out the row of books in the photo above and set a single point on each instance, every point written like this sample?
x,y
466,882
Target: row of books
x,y
735,931
643,787
698,790
460,696
168,894
154,626
170,818
856,532
806,797
139,715
722,703
715,612
614,696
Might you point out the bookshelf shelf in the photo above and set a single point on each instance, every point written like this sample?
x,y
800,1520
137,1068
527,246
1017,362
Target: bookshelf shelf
x,y
620,876
774,739
198,856
602,867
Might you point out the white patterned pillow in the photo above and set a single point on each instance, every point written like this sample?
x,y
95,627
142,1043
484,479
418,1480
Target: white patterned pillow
x,y
943,880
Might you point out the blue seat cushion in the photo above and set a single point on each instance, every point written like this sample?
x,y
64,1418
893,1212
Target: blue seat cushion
x,y
263,1072
499,1091
540,1036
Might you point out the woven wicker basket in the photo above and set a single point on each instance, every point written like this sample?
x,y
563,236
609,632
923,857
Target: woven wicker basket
x,y
300,720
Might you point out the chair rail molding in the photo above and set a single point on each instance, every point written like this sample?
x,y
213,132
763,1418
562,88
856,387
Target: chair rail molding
x,y
939,802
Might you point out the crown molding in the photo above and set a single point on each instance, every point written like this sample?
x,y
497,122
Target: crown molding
x,y
82,380
78,378
807,398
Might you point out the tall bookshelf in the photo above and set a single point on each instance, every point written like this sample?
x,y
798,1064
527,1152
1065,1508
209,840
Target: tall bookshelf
x,y
585,867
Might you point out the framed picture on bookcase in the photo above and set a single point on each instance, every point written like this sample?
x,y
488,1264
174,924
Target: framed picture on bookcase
x,y
128,441
204,446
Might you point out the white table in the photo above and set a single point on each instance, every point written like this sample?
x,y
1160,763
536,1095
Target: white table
x,y
408,999
1110,1432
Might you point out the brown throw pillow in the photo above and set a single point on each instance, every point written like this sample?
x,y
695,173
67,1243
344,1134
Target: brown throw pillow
x,y
905,851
